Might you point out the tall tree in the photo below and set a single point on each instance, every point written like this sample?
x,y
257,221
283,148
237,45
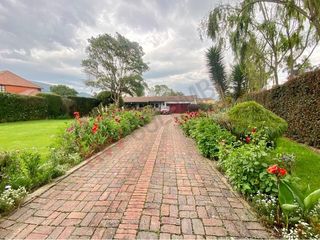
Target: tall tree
x,y
280,36
309,9
217,71
63,90
164,90
116,65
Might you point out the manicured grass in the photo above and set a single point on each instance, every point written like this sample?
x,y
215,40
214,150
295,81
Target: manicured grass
x,y
307,166
30,134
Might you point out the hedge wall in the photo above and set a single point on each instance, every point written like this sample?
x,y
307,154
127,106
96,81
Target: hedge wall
x,y
83,105
20,108
56,106
298,102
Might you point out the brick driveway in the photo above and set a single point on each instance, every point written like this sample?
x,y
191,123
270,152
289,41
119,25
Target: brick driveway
x,y
152,184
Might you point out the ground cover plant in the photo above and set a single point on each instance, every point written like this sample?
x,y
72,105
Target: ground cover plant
x,y
260,164
23,171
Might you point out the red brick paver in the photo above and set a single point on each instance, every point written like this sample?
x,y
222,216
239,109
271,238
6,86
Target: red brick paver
x,y
153,184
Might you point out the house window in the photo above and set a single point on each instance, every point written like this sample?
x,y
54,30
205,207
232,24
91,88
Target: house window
x,y
2,88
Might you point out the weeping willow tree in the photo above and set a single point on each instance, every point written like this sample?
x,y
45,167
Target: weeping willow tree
x,y
264,37
307,9
217,71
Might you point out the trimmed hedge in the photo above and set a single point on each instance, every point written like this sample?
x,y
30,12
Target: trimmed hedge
x,y
298,102
247,115
56,106
20,108
15,107
83,105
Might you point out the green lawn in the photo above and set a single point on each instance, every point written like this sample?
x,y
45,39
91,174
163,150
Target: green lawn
x,y
38,134
307,166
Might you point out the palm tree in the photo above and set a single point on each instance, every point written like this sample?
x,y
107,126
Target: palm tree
x,y
217,71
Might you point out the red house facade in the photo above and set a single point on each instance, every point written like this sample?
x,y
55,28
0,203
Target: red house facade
x,y
12,83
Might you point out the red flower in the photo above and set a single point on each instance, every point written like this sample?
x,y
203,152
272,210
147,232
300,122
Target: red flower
x,y
76,115
248,139
254,130
95,128
282,171
273,169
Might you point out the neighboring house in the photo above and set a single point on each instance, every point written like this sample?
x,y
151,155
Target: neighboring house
x,y
12,83
174,104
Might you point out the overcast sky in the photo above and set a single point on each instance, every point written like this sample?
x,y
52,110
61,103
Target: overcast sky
x,y
46,40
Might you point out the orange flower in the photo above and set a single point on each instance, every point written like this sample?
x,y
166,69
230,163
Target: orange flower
x,y
273,169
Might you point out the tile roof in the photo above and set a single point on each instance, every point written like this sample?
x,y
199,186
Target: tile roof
x,y
160,99
11,79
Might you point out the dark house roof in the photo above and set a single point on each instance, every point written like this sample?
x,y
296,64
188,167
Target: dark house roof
x,y
149,99
8,78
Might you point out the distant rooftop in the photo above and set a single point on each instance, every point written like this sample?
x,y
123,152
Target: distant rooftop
x,y
11,79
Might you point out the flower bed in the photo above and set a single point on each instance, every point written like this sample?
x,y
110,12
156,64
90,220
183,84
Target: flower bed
x,y
248,160
24,171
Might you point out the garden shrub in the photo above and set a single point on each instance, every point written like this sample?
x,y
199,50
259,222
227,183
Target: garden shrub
x,y
247,115
298,102
24,169
56,106
83,105
208,136
11,198
21,108
245,166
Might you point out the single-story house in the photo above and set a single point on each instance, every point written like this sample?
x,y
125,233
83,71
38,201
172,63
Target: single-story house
x,y
12,83
173,104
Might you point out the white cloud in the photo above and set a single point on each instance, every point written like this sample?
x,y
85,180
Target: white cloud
x,y
46,40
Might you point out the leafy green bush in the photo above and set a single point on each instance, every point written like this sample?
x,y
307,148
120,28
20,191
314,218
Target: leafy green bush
x,y
208,136
21,108
247,115
298,102
56,106
245,166
24,169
